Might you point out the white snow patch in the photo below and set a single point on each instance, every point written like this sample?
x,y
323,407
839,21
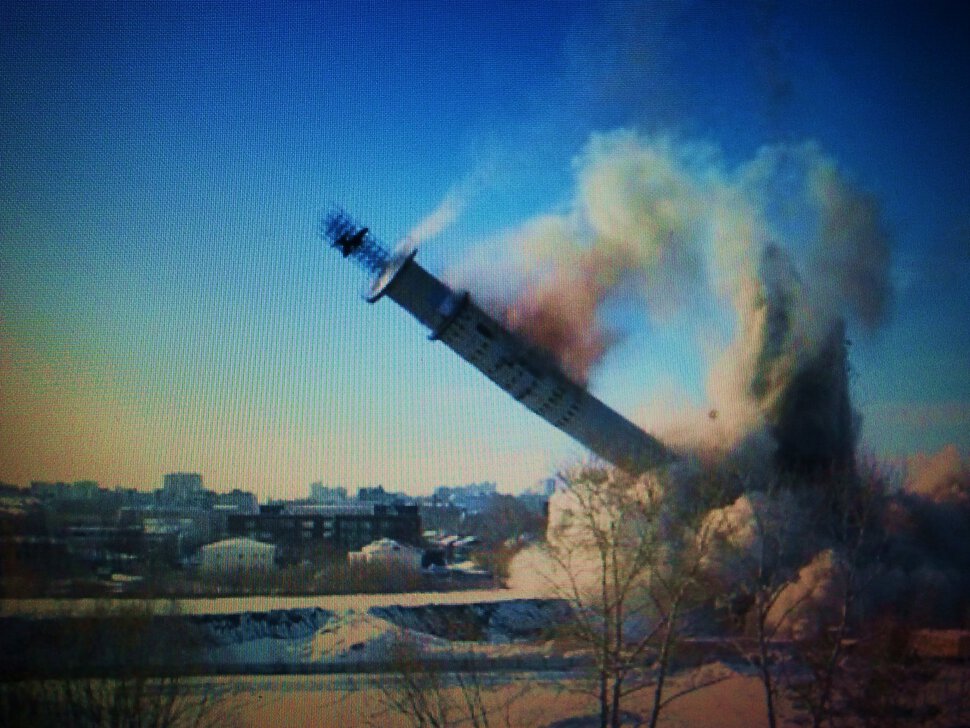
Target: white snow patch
x,y
356,636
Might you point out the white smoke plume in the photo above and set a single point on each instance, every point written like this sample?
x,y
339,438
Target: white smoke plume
x,y
603,513
643,526
778,250
447,212
439,219
532,573
810,602
743,537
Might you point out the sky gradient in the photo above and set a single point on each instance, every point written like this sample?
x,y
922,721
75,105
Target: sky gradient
x,y
166,303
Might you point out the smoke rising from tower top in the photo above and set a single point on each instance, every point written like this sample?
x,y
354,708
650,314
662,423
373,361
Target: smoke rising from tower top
x,y
442,217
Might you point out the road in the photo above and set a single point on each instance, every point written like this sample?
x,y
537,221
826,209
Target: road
x,y
234,605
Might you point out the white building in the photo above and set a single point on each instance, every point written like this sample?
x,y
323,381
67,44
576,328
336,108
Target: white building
x,y
237,554
388,552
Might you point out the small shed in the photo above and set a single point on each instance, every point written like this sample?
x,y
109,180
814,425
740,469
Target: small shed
x,y
237,554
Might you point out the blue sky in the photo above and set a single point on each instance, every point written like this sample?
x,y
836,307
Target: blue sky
x,y
166,305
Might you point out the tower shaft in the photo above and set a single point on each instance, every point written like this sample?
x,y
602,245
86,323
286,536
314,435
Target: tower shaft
x,y
528,375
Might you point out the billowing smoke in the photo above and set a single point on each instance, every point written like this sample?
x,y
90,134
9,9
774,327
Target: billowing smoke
x,y
926,525
767,259
738,536
810,601
769,262
559,310
942,478
866,542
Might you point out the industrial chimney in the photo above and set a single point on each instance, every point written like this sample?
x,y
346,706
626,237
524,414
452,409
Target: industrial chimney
x,y
527,374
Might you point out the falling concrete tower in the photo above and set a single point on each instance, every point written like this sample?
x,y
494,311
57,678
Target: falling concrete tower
x,y
527,374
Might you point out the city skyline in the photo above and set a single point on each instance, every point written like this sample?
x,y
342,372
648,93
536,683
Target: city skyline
x,y
314,491
167,305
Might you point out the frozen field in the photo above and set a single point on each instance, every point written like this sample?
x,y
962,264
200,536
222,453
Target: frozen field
x,y
534,700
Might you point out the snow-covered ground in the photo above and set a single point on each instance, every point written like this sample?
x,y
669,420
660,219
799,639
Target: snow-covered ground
x,y
362,631
523,699
485,630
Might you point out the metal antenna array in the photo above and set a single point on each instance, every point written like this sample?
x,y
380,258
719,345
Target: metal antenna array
x,y
354,241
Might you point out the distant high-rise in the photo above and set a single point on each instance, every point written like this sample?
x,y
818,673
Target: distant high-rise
x,y
182,488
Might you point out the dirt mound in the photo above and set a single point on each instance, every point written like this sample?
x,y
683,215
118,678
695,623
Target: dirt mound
x,y
517,620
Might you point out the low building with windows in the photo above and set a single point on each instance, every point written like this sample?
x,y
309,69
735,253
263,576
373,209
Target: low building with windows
x,y
237,554
298,529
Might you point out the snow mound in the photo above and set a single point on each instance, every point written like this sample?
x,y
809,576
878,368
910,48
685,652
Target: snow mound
x,y
366,637
515,620
279,624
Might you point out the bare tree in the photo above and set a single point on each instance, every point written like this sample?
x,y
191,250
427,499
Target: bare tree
x,y
445,690
118,668
799,563
629,566
848,520
753,543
